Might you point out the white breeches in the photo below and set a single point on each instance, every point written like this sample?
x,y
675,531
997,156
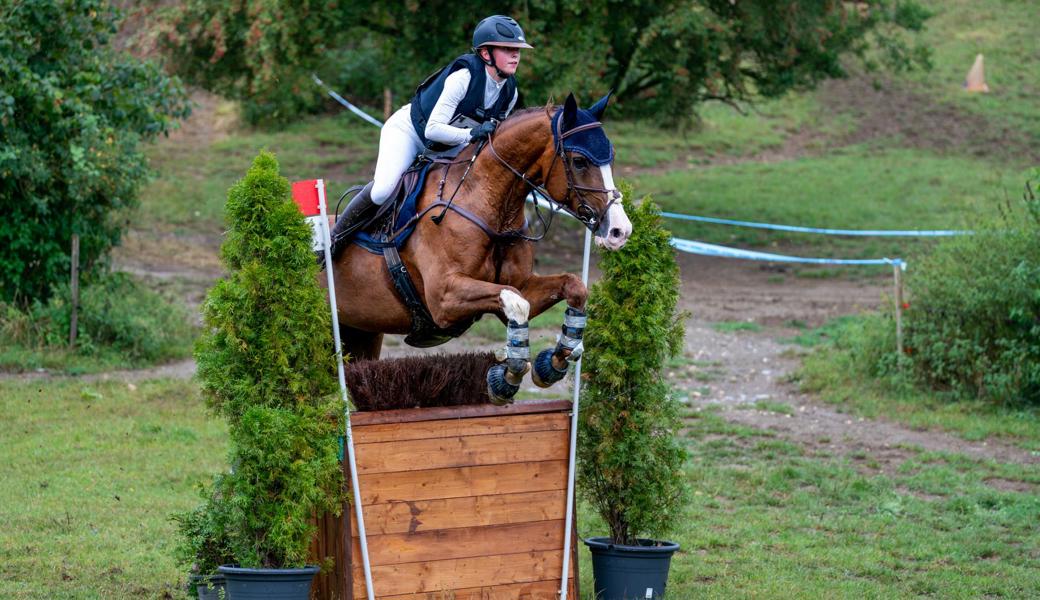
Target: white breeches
x,y
398,146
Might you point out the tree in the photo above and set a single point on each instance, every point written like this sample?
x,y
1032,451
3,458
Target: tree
x,y
662,58
266,365
72,116
631,460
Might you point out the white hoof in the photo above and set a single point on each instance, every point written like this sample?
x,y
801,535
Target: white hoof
x,y
513,304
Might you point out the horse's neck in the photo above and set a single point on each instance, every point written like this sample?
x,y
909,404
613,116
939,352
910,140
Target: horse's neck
x,y
500,191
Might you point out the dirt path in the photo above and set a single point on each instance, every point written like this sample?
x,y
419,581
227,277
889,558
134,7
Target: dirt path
x,y
735,370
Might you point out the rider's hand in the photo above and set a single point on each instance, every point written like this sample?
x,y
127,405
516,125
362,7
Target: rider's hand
x,y
482,131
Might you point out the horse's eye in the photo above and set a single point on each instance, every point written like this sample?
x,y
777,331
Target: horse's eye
x,y
580,163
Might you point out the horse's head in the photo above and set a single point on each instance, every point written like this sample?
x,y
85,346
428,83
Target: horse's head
x,y
583,181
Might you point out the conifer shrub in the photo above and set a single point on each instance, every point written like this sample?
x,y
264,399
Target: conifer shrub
x,y
631,461
266,364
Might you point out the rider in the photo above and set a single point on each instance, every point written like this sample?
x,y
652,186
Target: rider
x,y
461,103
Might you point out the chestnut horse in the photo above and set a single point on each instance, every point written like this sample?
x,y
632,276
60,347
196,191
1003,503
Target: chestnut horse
x,y
475,257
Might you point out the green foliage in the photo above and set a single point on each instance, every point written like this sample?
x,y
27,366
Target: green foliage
x,y
631,460
662,58
72,114
267,366
973,325
204,542
117,314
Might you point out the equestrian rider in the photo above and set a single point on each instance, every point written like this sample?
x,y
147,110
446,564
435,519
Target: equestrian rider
x,y
459,104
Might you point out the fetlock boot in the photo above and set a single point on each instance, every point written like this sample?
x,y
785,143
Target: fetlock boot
x,y
353,216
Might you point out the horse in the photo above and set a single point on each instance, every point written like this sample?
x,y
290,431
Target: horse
x,y
471,255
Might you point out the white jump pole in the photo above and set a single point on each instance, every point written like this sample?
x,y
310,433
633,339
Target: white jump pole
x,y
349,441
569,520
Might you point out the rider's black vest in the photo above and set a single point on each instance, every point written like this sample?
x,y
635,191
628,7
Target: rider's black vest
x,y
472,106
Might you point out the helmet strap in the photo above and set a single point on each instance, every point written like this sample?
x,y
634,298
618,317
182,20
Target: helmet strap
x,y
491,61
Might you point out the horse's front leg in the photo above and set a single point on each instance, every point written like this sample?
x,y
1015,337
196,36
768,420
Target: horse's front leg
x,y
550,366
470,296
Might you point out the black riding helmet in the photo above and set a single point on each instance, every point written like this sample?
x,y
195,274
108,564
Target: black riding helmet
x,y
498,30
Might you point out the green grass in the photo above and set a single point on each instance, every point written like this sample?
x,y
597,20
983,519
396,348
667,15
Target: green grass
x,y
735,326
1004,31
837,375
189,192
851,189
91,475
770,520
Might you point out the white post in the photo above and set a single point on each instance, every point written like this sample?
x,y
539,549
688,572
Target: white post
x,y
349,441
897,275
569,520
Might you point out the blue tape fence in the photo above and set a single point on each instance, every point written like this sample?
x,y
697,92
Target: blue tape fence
x,y
795,228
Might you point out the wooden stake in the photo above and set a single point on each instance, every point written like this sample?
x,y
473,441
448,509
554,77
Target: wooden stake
x,y
897,272
388,103
74,285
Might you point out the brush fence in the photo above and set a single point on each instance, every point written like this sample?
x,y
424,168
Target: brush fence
x,y
460,503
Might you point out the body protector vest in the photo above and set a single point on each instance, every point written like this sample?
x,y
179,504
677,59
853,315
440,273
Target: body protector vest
x,y
470,112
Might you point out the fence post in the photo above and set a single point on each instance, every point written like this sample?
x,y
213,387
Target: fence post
x,y
897,274
388,103
74,287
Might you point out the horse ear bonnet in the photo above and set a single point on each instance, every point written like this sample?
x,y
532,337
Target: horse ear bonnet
x,y
591,143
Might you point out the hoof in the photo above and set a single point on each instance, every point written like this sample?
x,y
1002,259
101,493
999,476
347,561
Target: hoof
x,y
544,373
500,391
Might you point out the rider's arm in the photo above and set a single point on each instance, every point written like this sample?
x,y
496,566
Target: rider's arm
x,y
437,127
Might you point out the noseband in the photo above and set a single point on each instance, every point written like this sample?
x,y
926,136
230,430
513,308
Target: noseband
x,y
585,212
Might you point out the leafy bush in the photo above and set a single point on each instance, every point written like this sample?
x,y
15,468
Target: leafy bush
x,y
72,114
631,461
204,542
117,314
267,365
973,325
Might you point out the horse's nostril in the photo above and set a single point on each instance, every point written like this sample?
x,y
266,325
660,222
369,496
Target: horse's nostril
x,y
615,232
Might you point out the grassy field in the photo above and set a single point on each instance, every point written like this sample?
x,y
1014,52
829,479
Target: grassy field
x,y
94,470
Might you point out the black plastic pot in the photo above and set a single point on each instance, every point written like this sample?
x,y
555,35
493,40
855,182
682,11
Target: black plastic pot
x,y
268,584
630,572
209,587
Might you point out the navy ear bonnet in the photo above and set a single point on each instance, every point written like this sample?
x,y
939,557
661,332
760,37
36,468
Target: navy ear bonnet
x,y
591,143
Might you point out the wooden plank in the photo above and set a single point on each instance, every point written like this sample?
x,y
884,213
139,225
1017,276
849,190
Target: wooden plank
x,y
410,415
458,482
473,511
422,430
444,575
443,453
536,590
466,542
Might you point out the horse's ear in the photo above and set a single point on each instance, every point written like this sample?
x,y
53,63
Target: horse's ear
x,y
601,105
570,113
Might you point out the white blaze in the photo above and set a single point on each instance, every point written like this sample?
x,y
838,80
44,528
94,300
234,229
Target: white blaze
x,y
620,226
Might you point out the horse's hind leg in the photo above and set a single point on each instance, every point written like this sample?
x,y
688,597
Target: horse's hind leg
x,y
360,345
504,378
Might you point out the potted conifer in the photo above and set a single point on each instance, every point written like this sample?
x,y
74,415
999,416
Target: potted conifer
x,y
266,364
630,459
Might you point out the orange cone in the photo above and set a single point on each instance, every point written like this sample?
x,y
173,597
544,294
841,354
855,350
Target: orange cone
x,y
976,80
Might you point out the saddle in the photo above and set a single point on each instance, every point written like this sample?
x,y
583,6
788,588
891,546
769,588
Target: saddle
x,y
386,232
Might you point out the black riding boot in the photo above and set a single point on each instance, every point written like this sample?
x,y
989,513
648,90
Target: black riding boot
x,y
353,215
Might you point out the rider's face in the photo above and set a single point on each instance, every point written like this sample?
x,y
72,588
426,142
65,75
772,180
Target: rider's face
x,y
506,59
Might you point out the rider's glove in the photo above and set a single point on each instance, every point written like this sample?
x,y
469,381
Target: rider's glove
x,y
482,131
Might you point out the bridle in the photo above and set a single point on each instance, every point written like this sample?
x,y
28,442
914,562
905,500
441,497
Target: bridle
x,y
585,212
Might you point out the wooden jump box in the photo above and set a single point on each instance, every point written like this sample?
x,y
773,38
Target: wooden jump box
x,y
460,503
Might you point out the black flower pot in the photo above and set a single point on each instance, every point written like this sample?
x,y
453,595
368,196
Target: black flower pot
x,y
209,587
268,584
630,572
